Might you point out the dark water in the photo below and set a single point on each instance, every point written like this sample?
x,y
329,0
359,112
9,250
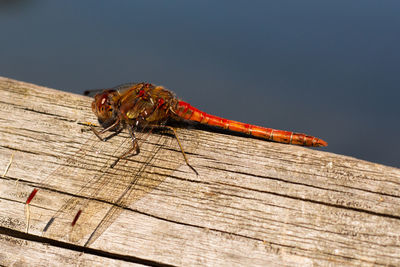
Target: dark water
x,y
329,69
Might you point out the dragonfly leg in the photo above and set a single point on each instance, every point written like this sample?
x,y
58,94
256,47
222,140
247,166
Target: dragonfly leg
x,y
135,147
109,128
180,146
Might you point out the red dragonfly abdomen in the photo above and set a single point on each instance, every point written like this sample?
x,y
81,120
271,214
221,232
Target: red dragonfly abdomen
x,y
186,111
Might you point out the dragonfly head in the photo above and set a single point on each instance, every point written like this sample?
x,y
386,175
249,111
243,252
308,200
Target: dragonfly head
x,y
104,106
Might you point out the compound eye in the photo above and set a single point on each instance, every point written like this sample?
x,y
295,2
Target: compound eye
x,y
104,106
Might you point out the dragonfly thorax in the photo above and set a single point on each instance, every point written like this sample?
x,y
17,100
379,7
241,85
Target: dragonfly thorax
x,y
143,104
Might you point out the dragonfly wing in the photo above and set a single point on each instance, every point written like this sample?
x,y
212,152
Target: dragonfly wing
x,y
109,191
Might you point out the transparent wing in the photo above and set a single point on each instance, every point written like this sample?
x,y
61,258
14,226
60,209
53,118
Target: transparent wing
x,y
99,193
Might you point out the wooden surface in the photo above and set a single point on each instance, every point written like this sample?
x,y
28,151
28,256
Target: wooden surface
x,y
253,202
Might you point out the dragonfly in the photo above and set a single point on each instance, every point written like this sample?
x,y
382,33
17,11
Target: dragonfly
x,y
144,108
133,104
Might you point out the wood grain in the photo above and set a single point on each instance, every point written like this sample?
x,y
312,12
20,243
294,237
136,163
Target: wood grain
x,y
253,202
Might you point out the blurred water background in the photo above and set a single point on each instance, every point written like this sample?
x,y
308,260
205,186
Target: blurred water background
x,y
326,68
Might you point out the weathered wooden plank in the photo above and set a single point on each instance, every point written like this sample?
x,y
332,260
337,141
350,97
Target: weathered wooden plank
x,y
253,203
22,252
